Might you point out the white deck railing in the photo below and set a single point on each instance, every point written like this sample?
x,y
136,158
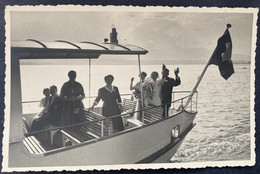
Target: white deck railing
x,y
94,126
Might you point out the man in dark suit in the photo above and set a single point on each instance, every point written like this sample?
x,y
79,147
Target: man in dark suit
x,y
166,90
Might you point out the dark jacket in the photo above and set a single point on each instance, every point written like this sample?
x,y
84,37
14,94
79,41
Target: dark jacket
x,y
166,90
51,117
55,111
111,100
110,106
74,89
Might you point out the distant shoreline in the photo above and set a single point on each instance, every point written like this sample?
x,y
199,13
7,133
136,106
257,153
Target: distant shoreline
x,y
92,63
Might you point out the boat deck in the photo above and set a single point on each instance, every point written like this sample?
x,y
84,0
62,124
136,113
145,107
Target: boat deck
x,y
93,126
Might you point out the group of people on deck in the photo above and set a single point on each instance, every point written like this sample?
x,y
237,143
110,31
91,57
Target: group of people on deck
x,y
63,109
66,108
156,91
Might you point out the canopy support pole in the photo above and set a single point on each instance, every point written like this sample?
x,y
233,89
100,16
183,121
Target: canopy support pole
x,y
89,80
141,90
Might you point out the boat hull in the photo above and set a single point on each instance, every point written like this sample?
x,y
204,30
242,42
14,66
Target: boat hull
x,y
165,154
128,147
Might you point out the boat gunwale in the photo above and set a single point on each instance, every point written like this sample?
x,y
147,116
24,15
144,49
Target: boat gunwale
x,y
62,149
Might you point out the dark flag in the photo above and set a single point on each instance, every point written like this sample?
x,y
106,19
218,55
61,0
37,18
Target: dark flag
x,y
222,56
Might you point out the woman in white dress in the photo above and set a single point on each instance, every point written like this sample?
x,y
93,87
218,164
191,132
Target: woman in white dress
x,y
156,86
143,88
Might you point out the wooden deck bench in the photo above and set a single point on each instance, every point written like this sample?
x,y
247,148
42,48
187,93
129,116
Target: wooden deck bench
x,y
128,105
33,145
69,136
99,129
152,115
94,129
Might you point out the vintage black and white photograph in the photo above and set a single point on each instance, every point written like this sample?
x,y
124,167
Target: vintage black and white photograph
x,y
92,87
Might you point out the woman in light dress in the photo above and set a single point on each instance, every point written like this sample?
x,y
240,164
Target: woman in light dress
x,y
151,90
143,88
156,86
138,86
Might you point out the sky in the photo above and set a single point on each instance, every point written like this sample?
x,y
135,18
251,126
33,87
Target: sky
x,y
171,36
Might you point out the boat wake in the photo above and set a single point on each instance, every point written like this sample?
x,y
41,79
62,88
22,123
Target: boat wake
x,y
217,148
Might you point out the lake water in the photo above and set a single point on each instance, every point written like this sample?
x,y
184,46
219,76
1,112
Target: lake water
x,y
222,130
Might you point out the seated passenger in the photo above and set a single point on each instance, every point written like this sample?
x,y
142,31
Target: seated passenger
x,y
55,107
51,114
45,101
26,127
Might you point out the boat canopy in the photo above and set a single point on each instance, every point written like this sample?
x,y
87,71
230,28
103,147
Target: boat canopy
x,y
60,49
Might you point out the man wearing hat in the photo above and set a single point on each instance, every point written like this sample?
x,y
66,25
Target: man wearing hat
x,y
166,90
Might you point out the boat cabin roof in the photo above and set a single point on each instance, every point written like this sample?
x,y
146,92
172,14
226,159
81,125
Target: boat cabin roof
x,y
60,49
30,49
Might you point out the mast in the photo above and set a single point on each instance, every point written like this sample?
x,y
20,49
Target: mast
x,y
202,74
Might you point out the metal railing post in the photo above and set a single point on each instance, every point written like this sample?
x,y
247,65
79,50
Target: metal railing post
x,y
191,104
102,128
143,116
173,100
165,111
111,131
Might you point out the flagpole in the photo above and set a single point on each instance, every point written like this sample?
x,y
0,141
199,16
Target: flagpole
x,y
202,74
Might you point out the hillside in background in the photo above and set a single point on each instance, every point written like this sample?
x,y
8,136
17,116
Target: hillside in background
x,y
124,60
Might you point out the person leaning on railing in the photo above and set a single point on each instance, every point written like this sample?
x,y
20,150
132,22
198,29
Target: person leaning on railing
x,y
112,102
